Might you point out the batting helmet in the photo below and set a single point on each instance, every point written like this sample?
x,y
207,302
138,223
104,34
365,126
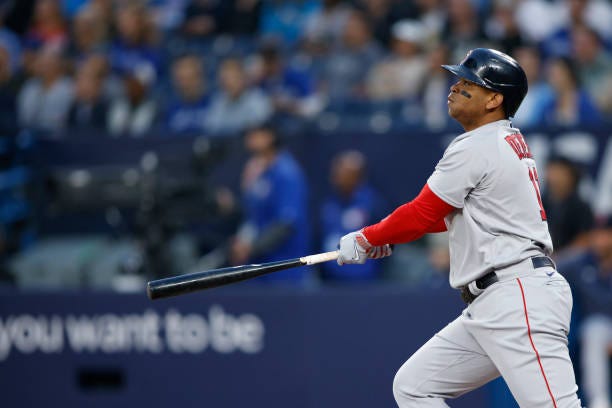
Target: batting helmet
x,y
496,71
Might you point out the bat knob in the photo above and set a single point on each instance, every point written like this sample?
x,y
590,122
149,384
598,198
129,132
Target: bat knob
x,y
150,292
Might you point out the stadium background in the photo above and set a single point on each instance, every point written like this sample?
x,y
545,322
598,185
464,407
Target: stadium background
x,y
120,161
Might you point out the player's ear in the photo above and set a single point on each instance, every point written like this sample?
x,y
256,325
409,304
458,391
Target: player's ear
x,y
495,100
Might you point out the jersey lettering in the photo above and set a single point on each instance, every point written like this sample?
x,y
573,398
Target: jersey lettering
x,y
518,144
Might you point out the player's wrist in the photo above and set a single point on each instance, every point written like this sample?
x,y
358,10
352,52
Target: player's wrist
x,y
369,233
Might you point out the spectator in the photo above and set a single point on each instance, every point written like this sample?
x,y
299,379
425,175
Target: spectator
x,y
590,276
380,17
569,216
236,107
8,93
502,28
540,93
575,13
275,206
105,9
571,105
89,108
72,7
89,33
244,16
538,19
204,18
167,14
285,21
189,105
136,37
325,27
434,89
11,44
291,90
133,113
48,25
594,66
351,204
346,69
44,99
463,29
401,75
432,14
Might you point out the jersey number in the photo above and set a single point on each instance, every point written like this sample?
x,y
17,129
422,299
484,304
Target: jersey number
x,y
533,176
518,144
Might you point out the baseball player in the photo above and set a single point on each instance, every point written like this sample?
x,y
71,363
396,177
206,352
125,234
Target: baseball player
x,y
485,192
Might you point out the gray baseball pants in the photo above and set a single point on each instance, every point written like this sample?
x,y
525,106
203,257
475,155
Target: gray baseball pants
x,y
516,328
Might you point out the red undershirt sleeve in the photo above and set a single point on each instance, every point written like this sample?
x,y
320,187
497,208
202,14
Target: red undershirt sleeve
x,y
424,214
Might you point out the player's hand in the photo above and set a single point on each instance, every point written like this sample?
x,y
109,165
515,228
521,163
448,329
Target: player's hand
x,y
355,249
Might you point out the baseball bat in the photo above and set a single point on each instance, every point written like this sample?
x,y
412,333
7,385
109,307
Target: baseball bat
x,y
191,282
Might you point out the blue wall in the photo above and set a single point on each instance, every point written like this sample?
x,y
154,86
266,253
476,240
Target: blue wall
x,y
242,346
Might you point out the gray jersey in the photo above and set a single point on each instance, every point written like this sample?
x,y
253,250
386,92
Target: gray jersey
x,y
490,176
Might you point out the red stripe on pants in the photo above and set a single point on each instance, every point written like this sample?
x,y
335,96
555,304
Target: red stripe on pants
x,y
533,345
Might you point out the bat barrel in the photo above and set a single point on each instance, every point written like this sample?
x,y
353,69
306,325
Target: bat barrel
x,y
182,284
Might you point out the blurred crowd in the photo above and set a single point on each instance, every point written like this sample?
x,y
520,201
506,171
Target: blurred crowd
x,y
232,67
219,67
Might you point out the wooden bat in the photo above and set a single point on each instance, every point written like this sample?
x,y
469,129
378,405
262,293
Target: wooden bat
x,y
191,282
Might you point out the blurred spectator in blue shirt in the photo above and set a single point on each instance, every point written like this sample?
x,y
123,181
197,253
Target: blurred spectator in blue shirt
x,y
136,37
134,112
186,112
572,105
236,106
44,99
540,94
594,65
90,106
291,90
352,204
285,21
401,74
596,14
347,67
590,276
72,7
275,201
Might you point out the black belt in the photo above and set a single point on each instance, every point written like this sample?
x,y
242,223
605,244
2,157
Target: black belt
x,y
491,277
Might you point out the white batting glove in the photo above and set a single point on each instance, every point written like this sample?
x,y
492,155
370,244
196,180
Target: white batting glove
x,y
355,249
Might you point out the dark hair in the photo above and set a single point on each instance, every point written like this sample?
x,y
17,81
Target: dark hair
x,y
571,68
270,128
573,166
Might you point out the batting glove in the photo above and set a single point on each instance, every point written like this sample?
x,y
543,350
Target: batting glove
x,y
355,249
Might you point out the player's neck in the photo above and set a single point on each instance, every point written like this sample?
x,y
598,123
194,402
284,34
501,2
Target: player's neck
x,y
468,126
